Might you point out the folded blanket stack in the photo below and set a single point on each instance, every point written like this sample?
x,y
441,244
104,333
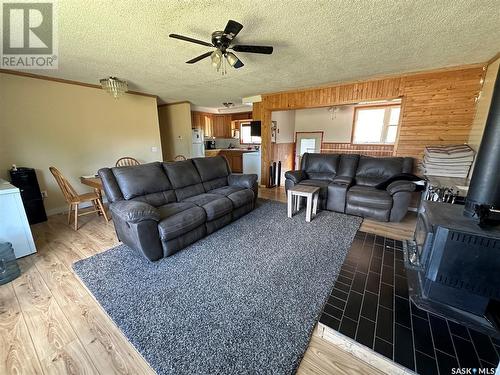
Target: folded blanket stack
x,y
448,161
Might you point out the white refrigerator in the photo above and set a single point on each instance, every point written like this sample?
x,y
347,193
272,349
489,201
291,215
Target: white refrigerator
x,y
198,144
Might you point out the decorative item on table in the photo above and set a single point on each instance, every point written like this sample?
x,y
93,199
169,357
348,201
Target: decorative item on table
x,y
447,161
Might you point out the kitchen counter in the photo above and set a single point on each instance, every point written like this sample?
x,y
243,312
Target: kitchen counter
x,y
234,156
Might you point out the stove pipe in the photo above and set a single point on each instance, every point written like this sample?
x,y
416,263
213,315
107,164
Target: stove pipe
x,y
484,187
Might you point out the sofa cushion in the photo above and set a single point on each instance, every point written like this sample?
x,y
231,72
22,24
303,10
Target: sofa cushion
x,y
174,208
213,171
139,180
372,171
226,190
185,179
369,197
241,198
214,205
177,223
320,166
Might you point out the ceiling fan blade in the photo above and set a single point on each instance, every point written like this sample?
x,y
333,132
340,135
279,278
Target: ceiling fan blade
x,y
188,39
233,28
266,50
198,58
238,64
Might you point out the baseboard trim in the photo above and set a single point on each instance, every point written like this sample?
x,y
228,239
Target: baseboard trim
x,y
64,209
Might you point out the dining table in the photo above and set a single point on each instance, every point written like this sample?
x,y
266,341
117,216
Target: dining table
x,y
94,182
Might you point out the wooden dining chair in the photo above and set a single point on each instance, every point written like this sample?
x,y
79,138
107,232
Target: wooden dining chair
x,y
126,162
180,158
74,199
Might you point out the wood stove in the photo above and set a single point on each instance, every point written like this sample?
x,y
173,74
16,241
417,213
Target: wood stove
x,y
453,267
453,262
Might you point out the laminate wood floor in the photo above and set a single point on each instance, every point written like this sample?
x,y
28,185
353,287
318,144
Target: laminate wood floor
x,y
51,324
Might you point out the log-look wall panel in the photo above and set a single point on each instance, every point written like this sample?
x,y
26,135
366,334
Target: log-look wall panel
x,y
438,107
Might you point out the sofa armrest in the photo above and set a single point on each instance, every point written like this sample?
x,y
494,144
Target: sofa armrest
x,y
296,176
134,212
343,180
247,181
400,186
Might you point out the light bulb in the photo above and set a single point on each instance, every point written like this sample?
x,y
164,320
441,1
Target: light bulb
x,y
231,58
216,58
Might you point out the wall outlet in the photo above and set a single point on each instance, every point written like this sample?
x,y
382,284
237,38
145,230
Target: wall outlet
x,y
154,149
44,194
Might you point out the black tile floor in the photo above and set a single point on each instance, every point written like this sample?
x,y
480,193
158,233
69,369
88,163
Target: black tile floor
x,y
369,303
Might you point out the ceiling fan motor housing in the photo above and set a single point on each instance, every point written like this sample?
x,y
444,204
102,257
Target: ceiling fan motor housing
x,y
221,40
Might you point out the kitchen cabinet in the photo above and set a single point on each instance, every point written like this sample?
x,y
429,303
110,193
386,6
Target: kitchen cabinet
x,y
203,121
222,126
218,126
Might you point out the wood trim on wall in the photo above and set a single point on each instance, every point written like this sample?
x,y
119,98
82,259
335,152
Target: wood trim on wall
x,y
437,106
67,81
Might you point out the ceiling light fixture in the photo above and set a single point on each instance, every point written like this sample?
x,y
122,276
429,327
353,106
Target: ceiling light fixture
x,y
228,104
216,58
114,86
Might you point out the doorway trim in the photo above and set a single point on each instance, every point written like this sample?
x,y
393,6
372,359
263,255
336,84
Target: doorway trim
x,y
295,142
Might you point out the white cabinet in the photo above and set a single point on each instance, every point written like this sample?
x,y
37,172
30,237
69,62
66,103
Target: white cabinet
x,y
14,226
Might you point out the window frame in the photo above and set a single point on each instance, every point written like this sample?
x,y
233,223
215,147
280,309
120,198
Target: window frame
x,y
241,134
386,125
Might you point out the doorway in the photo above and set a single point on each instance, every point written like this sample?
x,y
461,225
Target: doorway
x,y
307,142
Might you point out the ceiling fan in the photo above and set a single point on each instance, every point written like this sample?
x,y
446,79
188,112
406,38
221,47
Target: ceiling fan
x,y
222,40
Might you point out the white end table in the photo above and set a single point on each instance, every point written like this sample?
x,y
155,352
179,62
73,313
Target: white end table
x,y
311,194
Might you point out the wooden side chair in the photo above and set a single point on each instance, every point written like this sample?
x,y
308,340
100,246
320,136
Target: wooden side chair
x,y
126,162
74,199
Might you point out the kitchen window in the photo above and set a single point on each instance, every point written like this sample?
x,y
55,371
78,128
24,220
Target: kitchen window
x,y
376,124
246,136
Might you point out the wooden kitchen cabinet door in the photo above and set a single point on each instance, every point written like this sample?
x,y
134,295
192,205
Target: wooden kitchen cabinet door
x,y
237,163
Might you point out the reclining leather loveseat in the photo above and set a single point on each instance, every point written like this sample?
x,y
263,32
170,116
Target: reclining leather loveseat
x,y
160,208
355,184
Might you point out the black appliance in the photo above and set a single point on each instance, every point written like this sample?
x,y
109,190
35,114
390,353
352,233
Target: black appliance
x,y
210,144
453,261
484,189
255,128
25,180
453,267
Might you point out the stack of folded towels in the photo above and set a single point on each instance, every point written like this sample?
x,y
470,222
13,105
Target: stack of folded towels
x,y
448,161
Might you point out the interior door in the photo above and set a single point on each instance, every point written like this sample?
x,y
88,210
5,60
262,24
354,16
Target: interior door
x,y
306,142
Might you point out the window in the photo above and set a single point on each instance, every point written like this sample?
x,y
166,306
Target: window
x,y
245,135
307,145
376,124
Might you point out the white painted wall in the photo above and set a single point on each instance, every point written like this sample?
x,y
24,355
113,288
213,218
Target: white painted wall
x,y
285,121
338,129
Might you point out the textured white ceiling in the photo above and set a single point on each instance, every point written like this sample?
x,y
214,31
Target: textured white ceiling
x,y
315,42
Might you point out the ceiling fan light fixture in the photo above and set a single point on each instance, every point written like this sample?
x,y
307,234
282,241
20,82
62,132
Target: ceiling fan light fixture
x,y
231,58
216,58
114,86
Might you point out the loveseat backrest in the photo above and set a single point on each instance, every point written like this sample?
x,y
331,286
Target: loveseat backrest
x,y
348,165
185,179
146,182
320,166
213,171
374,170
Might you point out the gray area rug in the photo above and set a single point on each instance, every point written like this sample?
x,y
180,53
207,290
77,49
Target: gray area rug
x,y
244,300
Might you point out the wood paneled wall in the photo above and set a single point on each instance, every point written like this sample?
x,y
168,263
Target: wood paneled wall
x,y
283,152
437,107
